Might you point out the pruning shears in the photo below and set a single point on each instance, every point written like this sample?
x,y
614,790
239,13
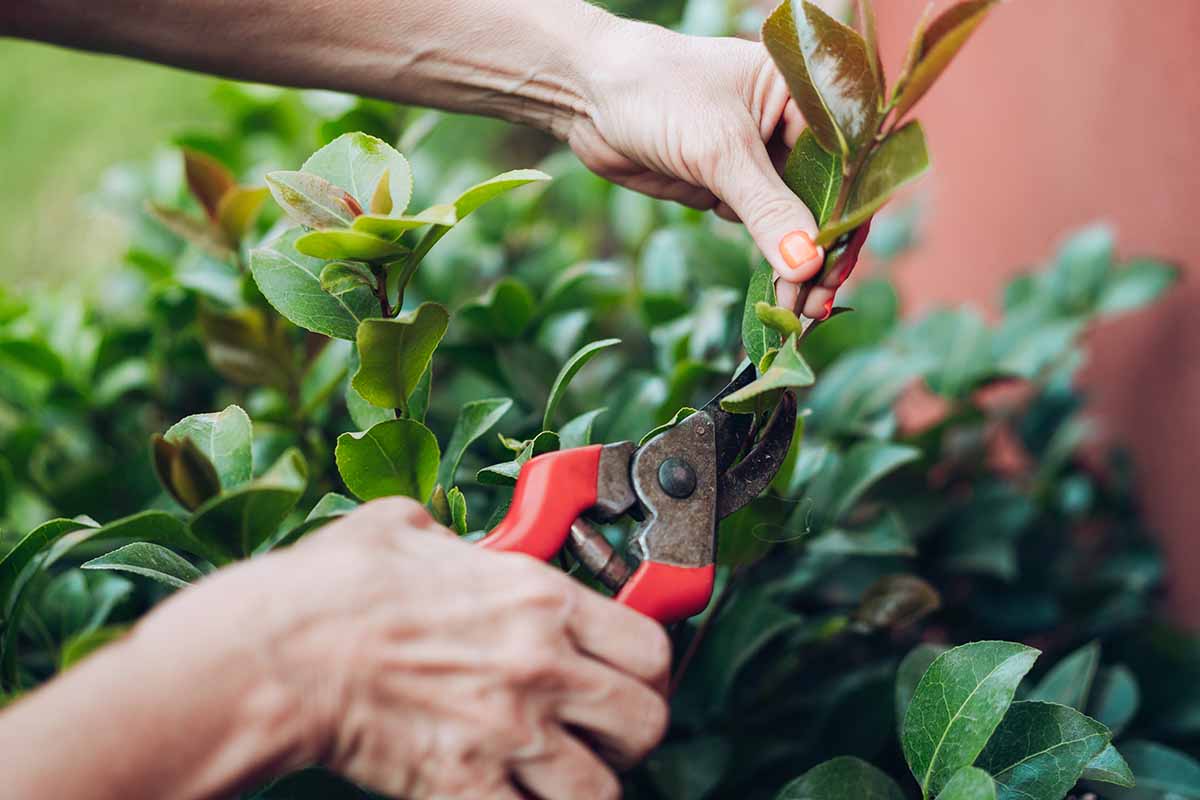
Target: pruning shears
x,y
678,485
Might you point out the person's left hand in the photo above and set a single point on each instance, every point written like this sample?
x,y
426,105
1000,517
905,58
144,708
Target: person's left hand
x,y
706,122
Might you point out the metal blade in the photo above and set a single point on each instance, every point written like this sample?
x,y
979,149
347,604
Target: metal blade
x,y
754,473
732,429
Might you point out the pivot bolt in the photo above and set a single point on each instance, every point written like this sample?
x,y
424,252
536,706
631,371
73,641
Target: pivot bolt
x,y
677,478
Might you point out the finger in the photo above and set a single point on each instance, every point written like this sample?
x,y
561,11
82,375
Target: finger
x,y
780,223
623,717
819,304
677,191
622,638
725,212
566,769
786,293
793,124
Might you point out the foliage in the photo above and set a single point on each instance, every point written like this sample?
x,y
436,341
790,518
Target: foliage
x,y
938,492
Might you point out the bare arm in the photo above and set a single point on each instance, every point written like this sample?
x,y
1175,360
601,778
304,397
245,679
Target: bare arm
x,y
691,119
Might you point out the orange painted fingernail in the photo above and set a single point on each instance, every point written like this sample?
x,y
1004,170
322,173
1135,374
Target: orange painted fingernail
x,y
828,308
797,249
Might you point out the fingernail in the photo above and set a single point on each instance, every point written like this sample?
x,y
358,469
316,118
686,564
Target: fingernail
x,y
828,308
797,249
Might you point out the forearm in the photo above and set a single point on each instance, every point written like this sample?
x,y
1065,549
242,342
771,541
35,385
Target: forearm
x,y
524,60
178,710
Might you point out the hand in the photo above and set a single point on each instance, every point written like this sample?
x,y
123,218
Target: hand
x,y
429,668
706,122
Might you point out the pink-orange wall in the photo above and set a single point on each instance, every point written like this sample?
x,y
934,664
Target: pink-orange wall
x,y
1059,113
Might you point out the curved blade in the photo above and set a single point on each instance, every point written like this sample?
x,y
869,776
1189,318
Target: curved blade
x,y
754,473
732,429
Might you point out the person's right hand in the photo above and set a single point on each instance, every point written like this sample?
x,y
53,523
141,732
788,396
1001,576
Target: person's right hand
x,y
431,668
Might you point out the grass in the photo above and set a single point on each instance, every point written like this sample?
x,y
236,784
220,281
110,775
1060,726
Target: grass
x,y
68,117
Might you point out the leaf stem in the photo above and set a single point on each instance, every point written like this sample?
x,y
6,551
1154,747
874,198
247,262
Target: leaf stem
x,y
381,292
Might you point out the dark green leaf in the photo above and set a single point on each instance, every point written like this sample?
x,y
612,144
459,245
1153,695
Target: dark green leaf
x,y
901,159
815,175
969,783
149,560
1115,698
957,704
842,778
895,602
689,769
363,414
578,432
324,375
936,48
396,457
862,466
1040,749
394,353
1069,682
14,562
356,162
236,522
1109,767
757,337
224,438
310,200
291,282
567,373
912,668
827,66
475,419
1161,774
504,312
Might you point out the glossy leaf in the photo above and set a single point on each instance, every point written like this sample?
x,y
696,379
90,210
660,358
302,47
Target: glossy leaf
x,y
291,282
578,431
356,161
224,438
788,370
842,778
901,159
310,200
394,354
14,562
757,338
458,511
493,187
238,210
504,312
957,705
348,243
153,527
505,473
392,228
1115,698
236,522
938,44
340,277
148,560
474,420
569,370
779,319
1160,772
208,179
1040,750
912,668
396,457
1109,767
827,66
363,414
969,783
814,174
862,466
1069,682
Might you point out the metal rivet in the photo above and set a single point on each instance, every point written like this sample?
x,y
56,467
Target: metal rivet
x,y
677,478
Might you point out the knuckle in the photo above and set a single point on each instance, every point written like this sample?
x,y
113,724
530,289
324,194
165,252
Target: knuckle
x,y
770,212
658,650
656,716
605,786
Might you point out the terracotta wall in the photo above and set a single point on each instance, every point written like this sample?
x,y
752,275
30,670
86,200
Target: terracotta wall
x,y
1059,113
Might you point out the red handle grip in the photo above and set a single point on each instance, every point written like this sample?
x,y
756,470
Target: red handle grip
x,y
552,491
667,592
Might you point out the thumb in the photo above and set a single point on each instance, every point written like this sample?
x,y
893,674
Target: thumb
x,y
781,225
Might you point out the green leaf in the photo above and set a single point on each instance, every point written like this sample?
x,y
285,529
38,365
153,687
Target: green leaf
x,y
959,348
578,432
291,283
394,354
778,319
310,200
82,645
842,778
363,414
396,457
339,277
827,66
154,527
224,437
896,602
757,337
788,370
392,228
901,159
689,769
936,48
14,562
567,373
475,419
201,233
1081,269
885,537
1040,749
149,560
249,346
356,162
505,473
332,504
1115,698
236,522
679,417
957,705
185,472
493,187
238,210
912,668
458,510
1137,284
1161,772
969,783
347,243
815,175
1109,767
1069,682
504,312
862,466
324,375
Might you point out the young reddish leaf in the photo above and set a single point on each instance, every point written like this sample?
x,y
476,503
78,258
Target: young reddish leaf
x,y
194,231
935,47
238,209
899,160
208,179
352,204
867,26
310,200
814,175
356,162
827,66
381,200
